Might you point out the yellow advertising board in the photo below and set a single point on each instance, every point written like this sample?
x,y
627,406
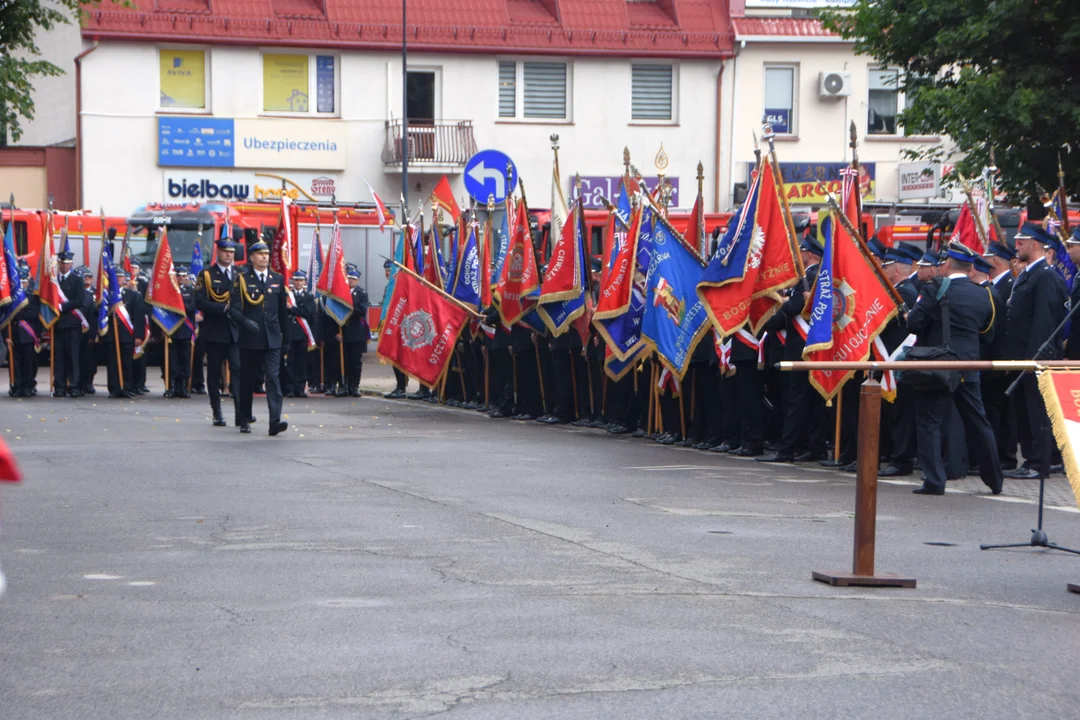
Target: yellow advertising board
x,y
183,78
285,83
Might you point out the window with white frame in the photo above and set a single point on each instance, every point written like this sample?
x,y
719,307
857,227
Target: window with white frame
x,y
183,79
883,101
779,111
534,90
300,84
652,92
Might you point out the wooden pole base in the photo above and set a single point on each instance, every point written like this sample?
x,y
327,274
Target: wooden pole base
x,y
1074,588
847,579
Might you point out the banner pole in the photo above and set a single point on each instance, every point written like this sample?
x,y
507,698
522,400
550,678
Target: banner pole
x,y
322,369
651,417
11,356
168,377
540,375
341,358
52,357
513,359
836,432
682,413
487,379
592,394
191,365
119,357
573,384
461,375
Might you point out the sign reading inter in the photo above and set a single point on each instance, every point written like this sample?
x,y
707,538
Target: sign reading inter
x,y
239,143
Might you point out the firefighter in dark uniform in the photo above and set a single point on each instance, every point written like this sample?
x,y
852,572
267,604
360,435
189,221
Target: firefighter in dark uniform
x,y
68,330
25,329
1072,343
1001,256
971,317
501,367
212,299
898,417
143,328
355,334
1036,308
1001,408
87,361
401,379
118,333
297,360
805,406
258,305
180,342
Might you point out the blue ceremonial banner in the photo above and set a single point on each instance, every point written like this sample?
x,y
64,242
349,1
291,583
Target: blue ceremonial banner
x,y
502,237
623,332
622,205
196,258
466,278
675,320
733,250
819,335
16,294
110,294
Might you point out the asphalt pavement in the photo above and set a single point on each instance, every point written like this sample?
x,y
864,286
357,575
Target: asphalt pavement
x,y
402,560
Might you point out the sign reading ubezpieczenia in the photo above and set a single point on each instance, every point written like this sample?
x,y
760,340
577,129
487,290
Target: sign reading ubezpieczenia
x,y
284,144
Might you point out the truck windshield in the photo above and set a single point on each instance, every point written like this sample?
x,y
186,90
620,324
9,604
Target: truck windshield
x,y
144,242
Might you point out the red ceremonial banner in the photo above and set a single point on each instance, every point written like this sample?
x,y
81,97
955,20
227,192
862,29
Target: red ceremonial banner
x,y
443,196
284,240
518,278
1061,394
421,329
163,291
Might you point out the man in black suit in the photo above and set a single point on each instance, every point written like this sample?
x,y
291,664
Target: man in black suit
x,y
805,418
25,329
120,335
1000,257
181,340
212,298
301,323
1072,344
971,316
258,304
68,330
355,333
1036,309
898,417
87,363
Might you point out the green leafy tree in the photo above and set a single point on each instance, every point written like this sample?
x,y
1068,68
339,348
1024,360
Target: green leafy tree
x,y
1001,74
20,58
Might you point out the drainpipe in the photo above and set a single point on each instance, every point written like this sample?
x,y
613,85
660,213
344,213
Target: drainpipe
x,y
78,124
719,116
734,106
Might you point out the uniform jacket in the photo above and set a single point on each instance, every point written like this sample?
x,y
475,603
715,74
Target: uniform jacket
x,y
1004,285
184,332
356,329
132,301
213,293
1072,347
897,330
263,303
971,319
72,286
792,308
1036,308
304,308
29,316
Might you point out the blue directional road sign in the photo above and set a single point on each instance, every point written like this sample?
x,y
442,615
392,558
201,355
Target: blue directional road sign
x,y
486,174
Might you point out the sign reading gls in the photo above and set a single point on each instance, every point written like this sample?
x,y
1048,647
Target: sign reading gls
x,y
486,175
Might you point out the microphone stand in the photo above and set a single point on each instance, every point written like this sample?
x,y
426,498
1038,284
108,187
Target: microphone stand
x,y
1038,535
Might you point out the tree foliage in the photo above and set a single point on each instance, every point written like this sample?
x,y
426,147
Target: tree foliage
x,y
1002,74
20,57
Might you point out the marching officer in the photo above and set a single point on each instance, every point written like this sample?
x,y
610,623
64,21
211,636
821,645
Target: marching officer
x,y
1036,308
1001,256
25,329
301,329
898,418
212,299
68,330
181,340
140,319
969,311
258,304
355,334
87,361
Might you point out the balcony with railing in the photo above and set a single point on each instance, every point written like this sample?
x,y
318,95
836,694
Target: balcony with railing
x,y
440,146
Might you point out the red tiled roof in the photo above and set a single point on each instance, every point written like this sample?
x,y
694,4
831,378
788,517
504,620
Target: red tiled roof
x,y
779,27
668,28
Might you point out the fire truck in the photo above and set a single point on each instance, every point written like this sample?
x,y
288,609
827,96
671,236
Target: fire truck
x,y
83,230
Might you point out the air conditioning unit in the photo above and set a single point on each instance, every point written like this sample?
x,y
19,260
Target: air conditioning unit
x,y
834,84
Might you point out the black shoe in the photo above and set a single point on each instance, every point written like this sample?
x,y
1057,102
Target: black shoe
x,y
666,439
926,489
724,447
251,420
168,394
421,394
775,457
617,429
354,392
59,393
598,424
850,467
748,451
552,420
120,395
639,433
329,392
76,393
91,390
246,429
830,463
183,395
278,427
703,446
300,394
807,457
394,395
199,391
1054,470
497,414
219,421
895,471
1022,474
583,422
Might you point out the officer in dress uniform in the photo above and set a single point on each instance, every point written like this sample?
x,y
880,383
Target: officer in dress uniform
x,y
992,348
258,304
68,330
1001,408
971,315
898,418
1001,256
143,327
212,299
804,421
25,329
1072,343
87,361
303,309
1036,308
180,342
118,333
355,334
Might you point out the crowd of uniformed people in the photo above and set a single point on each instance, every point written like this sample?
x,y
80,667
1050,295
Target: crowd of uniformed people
x,y
1004,304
